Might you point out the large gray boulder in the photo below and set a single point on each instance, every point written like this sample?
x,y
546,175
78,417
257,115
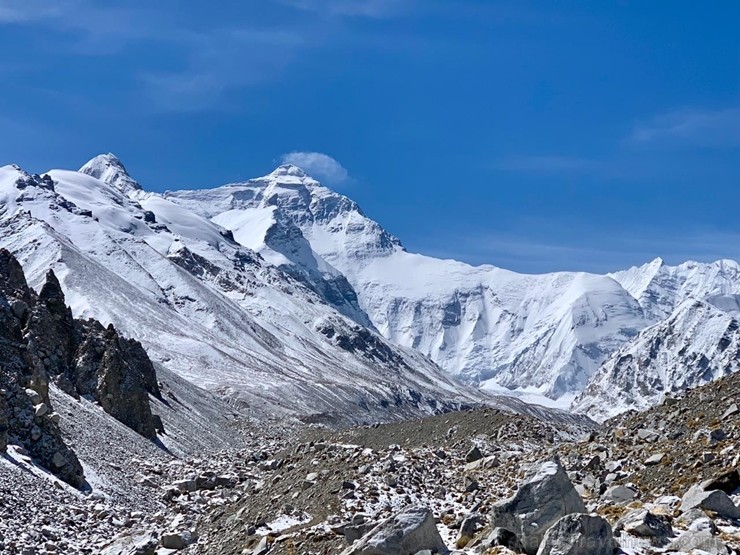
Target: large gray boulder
x,y
540,502
578,534
716,501
405,533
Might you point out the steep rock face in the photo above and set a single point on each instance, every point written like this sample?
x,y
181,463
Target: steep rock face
x,y
27,418
697,344
51,329
117,373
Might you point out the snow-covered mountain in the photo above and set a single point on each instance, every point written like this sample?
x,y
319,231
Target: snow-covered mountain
x,y
660,288
697,344
540,337
284,292
543,335
207,307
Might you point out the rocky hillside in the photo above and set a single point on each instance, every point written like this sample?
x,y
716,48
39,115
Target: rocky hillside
x,y
697,344
472,482
489,482
79,404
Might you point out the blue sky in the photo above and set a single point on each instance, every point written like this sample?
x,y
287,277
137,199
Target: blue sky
x,y
536,136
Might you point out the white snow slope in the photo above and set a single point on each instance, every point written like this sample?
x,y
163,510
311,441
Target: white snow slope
x,y
212,310
543,334
535,336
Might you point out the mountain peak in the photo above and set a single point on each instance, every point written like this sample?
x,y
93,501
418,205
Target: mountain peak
x,y
109,168
288,170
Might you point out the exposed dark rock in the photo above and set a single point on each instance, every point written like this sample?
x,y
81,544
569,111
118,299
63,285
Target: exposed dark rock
x,y
27,419
727,481
117,373
41,341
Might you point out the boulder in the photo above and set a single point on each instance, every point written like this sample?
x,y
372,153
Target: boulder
x,y
262,547
642,522
654,459
136,544
473,455
501,537
727,481
538,504
405,533
731,411
620,494
468,528
716,501
176,540
578,534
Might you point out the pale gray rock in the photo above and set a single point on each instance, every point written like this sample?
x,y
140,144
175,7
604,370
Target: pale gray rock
x,y
538,504
578,534
716,501
136,544
642,522
405,533
620,494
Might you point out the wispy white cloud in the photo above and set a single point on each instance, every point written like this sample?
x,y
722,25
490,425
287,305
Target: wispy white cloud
x,y
690,127
210,60
646,152
321,166
552,164
27,11
377,9
220,61
90,28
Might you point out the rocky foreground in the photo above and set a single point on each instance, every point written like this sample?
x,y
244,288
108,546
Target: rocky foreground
x,y
664,481
104,453
481,481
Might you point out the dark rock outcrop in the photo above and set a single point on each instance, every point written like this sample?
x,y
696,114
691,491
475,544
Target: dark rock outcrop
x,y
26,413
41,342
117,373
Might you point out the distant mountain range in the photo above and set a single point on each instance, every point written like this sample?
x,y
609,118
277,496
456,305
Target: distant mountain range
x,y
285,295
